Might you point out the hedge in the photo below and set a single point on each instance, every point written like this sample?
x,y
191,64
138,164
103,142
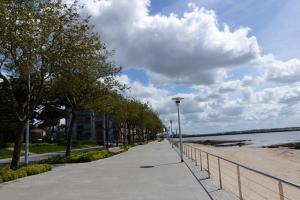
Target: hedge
x,y
79,157
7,174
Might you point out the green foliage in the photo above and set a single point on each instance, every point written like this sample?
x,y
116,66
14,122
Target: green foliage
x,y
79,157
7,174
5,153
125,147
46,148
70,71
36,169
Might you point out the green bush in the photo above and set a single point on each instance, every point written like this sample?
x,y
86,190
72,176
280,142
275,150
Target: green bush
x,y
79,157
125,147
36,169
7,174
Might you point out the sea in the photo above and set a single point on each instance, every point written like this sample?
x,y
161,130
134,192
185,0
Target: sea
x,y
255,139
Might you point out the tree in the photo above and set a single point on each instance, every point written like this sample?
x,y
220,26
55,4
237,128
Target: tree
x,y
36,37
7,119
85,74
52,111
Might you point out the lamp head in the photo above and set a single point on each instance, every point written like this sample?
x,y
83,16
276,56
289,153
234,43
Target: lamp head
x,y
177,99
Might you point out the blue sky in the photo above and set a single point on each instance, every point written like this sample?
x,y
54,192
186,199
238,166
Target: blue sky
x,y
272,22
236,63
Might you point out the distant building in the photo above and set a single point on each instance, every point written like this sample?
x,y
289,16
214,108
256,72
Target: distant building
x,y
90,126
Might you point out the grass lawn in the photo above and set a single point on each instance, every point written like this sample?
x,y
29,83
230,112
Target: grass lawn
x,y
4,153
44,148
47,148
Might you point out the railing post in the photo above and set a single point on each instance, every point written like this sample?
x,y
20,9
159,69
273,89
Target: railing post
x,y
208,170
193,153
280,188
239,182
220,175
201,161
196,157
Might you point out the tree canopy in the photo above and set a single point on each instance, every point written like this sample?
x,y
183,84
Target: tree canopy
x,y
54,65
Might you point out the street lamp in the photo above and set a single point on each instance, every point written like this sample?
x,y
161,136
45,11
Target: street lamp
x,y
27,125
177,101
171,133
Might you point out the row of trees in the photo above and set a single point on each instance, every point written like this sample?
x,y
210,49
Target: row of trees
x,y
50,57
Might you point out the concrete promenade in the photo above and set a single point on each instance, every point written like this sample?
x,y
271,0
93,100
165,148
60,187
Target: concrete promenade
x,y
148,172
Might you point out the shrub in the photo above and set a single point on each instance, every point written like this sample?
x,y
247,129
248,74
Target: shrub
x,y
36,169
79,157
7,174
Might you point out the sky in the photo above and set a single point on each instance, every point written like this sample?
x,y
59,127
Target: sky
x,y
236,63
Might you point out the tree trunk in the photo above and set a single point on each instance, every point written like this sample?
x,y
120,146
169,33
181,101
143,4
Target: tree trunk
x,y
117,136
18,145
128,136
124,136
70,133
104,130
133,135
106,133
51,133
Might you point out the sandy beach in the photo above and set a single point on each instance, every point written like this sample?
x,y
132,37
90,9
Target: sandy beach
x,y
280,162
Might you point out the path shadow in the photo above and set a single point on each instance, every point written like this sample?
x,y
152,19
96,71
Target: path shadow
x,y
158,165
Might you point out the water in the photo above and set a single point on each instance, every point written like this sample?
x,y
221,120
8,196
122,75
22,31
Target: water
x,y
257,139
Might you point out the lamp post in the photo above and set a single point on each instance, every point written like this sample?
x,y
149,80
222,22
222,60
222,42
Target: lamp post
x,y
27,127
171,133
177,101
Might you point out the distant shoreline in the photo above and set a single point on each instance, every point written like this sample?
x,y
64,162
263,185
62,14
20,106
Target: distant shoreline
x,y
240,143
255,131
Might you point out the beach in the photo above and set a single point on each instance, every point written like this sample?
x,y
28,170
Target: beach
x,y
281,162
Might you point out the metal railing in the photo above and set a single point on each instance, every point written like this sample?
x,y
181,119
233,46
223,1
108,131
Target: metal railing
x,y
244,182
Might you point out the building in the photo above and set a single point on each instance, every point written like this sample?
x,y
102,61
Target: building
x,y
91,126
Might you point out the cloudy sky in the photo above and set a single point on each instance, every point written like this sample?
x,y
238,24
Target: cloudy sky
x,y
236,63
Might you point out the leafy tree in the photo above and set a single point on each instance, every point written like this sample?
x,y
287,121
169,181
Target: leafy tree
x,y
50,115
36,38
85,74
7,119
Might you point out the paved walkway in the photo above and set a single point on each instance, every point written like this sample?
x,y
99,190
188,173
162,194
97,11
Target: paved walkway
x,y
127,176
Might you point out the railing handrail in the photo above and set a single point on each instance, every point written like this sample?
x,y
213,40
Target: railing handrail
x,y
248,168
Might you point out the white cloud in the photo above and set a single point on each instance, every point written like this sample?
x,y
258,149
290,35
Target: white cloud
x,y
195,49
240,108
171,47
280,71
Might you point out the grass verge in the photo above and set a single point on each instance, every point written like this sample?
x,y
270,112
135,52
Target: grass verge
x,y
48,148
40,148
5,153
